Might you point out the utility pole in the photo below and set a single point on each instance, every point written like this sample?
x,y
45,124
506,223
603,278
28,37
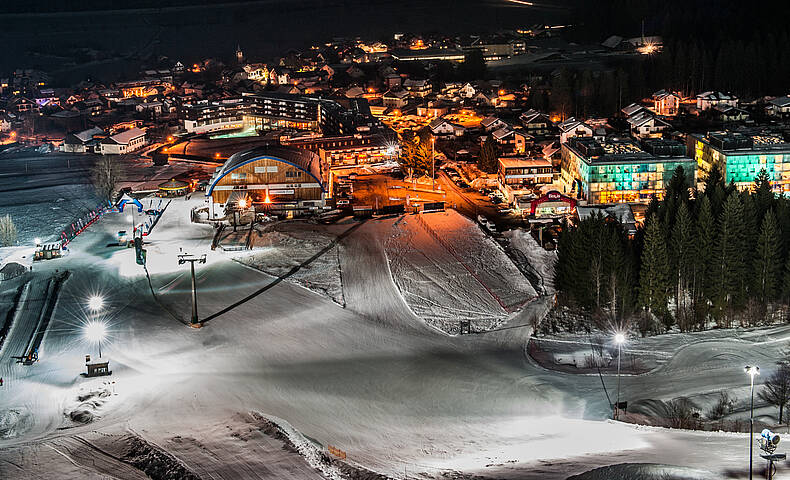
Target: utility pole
x,y
192,259
433,163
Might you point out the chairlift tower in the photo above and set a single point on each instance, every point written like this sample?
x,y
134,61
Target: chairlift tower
x,y
182,259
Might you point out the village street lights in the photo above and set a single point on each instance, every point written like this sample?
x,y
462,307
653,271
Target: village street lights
x,y
95,332
751,371
619,339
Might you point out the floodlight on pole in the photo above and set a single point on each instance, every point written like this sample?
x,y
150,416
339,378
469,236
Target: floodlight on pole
x,y
619,339
752,371
95,303
37,241
95,332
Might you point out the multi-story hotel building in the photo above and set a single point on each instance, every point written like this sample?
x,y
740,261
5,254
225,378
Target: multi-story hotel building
x,y
277,110
741,156
618,170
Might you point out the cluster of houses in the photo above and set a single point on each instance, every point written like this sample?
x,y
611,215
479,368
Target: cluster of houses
x,y
347,103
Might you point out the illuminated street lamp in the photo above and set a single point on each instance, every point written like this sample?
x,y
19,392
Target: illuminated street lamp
x,y
37,241
95,332
619,339
751,371
95,303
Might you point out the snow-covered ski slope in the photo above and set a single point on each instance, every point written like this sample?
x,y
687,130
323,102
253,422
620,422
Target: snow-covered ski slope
x,y
449,271
372,379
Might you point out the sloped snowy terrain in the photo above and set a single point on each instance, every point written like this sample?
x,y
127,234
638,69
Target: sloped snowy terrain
x,y
371,379
448,270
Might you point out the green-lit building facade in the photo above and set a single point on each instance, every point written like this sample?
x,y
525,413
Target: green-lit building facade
x,y
620,170
741,156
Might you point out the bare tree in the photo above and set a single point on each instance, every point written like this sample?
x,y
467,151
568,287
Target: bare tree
x,y
776,389
8,235
682,413
723,406
106,174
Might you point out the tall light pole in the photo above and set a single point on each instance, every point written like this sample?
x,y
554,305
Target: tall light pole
x,y
751,371
619,339
192,259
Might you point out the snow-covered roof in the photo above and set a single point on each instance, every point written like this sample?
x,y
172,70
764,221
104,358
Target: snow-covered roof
x,y
621,212
532,114
400,94
87,135
126,136
436,123
632,109
713,96
781,101
488,121
661,94
502,132
644,117
571,124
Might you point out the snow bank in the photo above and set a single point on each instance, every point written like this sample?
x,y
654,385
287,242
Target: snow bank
x,y
89,399
644,471
14,422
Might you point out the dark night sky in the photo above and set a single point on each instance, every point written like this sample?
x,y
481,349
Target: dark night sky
x,y
264,28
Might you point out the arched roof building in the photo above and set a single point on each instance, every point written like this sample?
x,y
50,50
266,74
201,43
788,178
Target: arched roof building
x,y
271,177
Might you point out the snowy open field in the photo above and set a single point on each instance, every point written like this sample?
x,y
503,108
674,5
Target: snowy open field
x,y
372,379
280,247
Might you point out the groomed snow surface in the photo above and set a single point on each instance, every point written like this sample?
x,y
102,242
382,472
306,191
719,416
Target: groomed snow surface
x,y
449,271
374,379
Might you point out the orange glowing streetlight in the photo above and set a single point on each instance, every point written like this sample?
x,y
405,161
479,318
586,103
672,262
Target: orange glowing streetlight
x,y
170,138
216,155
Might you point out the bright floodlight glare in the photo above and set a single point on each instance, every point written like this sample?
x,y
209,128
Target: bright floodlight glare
x,y
243,203
752,370
619,338
95,331
95,303
37,240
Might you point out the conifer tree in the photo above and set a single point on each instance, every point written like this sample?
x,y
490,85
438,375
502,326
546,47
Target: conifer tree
x,y
683,248
703,268
654,276
764,196
728,262
750,229
768,266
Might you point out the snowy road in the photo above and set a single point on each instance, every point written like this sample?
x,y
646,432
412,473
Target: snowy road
x,y
371,379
